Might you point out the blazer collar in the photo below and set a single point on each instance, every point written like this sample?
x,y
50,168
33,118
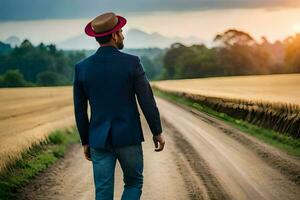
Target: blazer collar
x,y
106,49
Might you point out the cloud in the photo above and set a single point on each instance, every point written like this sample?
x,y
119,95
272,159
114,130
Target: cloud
x,y
67,9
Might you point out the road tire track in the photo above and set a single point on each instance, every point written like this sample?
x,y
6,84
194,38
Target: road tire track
x,y
213,188
285,164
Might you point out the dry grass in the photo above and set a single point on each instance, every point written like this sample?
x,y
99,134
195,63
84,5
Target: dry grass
x,y
270,101
27,115
284,88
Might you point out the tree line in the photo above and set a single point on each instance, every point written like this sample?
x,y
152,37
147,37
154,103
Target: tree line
x,y
41,65
234,53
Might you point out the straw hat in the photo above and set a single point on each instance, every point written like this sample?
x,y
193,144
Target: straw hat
x,y
105,24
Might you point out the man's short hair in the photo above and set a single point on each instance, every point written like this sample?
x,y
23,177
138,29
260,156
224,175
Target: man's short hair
x,y
104,39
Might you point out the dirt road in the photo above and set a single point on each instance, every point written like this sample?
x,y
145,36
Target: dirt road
x,y
71,178
200,161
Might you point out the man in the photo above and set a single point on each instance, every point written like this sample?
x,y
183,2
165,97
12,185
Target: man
x,y
109,80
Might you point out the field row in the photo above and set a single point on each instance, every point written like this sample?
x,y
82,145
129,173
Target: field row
x,y
269,101
28,115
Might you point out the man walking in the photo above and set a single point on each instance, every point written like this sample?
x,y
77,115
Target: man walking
x,y
109,80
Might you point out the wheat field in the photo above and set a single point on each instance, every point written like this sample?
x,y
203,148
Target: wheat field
x,y
28,115
269,101
284,88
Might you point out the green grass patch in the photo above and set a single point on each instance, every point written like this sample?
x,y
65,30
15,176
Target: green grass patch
x,y
34,160
279,140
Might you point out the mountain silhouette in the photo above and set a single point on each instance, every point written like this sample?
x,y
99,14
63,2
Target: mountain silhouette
x,y
134,38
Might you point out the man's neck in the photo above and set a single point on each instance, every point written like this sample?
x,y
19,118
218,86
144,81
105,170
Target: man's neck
x,y
108,44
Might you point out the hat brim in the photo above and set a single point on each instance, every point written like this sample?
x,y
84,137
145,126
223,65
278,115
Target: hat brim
x,y
90,32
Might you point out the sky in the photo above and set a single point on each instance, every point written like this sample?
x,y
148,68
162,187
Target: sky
x,y
56,20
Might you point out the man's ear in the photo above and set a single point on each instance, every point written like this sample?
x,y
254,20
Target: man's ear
x,y
114,36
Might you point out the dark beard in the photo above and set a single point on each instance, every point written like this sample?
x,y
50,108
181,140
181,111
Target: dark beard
x,y
120,45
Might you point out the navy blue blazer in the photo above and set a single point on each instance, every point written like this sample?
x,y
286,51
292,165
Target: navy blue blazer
x,y
109,80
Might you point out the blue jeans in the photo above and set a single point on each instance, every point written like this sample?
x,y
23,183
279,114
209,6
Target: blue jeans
x,y
131,162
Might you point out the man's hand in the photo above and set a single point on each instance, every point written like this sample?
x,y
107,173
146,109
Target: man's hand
x,y
159,139
86,151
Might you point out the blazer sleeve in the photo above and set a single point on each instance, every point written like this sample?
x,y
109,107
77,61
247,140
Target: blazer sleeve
x,y
145,98
80,108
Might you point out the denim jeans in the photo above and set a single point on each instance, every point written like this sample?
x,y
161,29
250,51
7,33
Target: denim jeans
x,y
131,162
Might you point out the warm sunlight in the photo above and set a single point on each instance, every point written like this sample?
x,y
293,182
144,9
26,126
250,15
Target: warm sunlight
x,y
83,84
296,28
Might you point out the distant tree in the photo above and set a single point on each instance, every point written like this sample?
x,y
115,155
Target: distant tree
x,y
13,78
170,59
24,47
158,65
234,37
196,61
236,53
4,48
240,54
1,81
32,60
292,53
49,78
150,69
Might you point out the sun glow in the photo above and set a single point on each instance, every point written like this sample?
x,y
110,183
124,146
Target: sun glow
x,y
296,28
